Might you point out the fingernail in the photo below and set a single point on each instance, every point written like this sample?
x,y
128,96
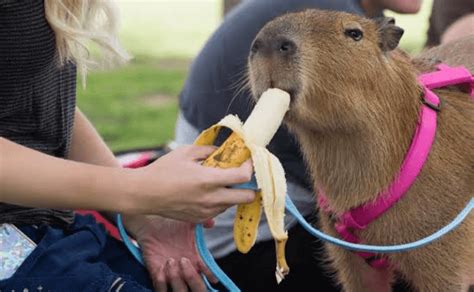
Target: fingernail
x,y
251,198
170,262
184,261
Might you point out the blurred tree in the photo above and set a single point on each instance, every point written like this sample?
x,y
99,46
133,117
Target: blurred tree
x,y
229,4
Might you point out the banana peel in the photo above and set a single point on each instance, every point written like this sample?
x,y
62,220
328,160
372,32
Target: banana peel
x,y
249,140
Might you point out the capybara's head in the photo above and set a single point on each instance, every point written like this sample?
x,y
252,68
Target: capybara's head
x,y
339,68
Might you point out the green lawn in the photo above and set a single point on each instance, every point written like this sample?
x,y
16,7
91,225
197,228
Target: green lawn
x,y
136,105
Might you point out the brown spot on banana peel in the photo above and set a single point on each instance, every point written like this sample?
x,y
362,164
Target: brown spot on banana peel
x,y
232,153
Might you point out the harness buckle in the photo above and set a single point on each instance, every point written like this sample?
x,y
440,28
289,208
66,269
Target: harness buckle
x,y
435,107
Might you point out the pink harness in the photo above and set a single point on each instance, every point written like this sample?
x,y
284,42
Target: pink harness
x,y
360,217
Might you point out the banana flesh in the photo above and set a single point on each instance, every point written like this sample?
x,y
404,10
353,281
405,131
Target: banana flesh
x,y
249,141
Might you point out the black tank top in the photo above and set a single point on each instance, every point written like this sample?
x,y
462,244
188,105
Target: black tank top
x,y
37,96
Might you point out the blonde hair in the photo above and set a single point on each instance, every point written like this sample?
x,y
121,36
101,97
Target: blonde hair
x,y
78,22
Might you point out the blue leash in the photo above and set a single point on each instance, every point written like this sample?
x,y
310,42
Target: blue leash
x,y
380,248
135,251
290,207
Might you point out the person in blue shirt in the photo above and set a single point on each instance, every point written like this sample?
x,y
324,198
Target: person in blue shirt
x,y
212,90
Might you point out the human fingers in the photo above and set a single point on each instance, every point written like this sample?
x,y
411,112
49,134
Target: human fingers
x,y
231,176
228,197
205,270
159,280
198,152
173,276
191,277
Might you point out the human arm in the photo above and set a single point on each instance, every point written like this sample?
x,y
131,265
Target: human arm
x,y
31,178
175,186
167,245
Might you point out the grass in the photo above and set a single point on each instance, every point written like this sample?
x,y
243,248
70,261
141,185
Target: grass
x,y
124,105
131,106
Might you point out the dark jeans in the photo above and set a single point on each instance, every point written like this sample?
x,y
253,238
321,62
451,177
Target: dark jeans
x,y
255,271
81,258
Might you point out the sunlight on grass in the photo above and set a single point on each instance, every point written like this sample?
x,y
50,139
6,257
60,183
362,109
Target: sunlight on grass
x,y
114,103
168,28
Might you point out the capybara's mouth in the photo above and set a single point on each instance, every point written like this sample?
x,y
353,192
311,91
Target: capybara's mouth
x,y
259,90
293,92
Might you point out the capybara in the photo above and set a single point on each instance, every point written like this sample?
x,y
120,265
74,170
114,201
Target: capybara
x,y
355,105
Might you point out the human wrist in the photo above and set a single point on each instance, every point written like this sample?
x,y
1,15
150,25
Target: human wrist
x,y
135,224
136,196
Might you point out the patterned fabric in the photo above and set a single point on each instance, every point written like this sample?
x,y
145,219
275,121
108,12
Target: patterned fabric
x,y
37,96
15,247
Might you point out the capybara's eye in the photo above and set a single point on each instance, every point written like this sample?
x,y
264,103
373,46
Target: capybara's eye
x,y
355,33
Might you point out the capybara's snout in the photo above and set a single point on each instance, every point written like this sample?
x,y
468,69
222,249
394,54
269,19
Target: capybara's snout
x,y
280,46
273,60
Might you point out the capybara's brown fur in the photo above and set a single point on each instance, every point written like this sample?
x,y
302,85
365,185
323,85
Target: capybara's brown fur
x,y
354,110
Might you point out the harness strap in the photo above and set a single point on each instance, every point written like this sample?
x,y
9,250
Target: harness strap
x,y
447,76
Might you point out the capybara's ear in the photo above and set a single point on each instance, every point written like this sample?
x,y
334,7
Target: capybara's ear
x,y
389,34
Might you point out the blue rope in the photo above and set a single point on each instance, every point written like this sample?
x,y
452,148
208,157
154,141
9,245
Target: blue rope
x,y
135,251
290,207
375,248
208,259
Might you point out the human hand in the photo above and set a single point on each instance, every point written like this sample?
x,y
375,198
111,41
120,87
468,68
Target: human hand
x,y
169,251
177,186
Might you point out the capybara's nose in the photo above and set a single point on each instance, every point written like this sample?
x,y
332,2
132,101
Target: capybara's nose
x,y
280,46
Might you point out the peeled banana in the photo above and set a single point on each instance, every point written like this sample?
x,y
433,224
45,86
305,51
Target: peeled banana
x,y
249,141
